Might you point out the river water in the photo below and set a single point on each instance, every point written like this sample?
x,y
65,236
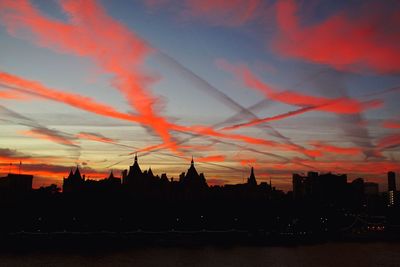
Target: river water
x,y
331,254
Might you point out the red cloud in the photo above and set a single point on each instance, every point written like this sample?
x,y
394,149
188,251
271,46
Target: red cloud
x,y
342,105
389,141
367,40
75,100
352,167
336,149
391,124
207,131
93,34
116,50
90,105
269,119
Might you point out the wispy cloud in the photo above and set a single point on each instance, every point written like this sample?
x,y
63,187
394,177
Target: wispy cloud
x,y
117,50
367,38
342,105
229,13
39,131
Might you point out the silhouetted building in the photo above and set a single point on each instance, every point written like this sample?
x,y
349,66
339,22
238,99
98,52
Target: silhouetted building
x,y
391,181
392,192
74,182
371,189
134,176
251,181
326,187
356,194
16,183
298,186
192,179
112,182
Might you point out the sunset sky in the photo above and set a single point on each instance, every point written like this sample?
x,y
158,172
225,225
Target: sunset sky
x,y
284,86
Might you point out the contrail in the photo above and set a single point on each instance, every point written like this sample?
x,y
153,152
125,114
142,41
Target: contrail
x,y
204,85
41,131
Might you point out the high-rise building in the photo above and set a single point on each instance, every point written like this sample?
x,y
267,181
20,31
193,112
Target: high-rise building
x,y
371,189
392,193
391,181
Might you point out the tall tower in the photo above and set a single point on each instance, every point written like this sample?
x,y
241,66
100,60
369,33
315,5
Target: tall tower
x,y
252,179
391,181
392,194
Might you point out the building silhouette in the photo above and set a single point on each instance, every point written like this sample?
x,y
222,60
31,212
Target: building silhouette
x,y
392,192
141,201
251,181
16,184
391,181
192,179
74,182
327,187
371,189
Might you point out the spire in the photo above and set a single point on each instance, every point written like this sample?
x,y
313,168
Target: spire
x,y
111,175
135,170
252,179
77,172
191,172
70,174
150,172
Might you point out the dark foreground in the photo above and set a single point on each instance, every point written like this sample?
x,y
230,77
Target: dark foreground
x,y
329,254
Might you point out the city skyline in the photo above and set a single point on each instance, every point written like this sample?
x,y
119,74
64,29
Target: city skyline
x,y
283,86
135,171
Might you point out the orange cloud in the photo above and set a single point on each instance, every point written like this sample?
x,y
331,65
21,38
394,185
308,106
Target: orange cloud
x,y
16,160
368,39
43,168
95,137
11,94
14,157
52,136
53,174
247,161
213,158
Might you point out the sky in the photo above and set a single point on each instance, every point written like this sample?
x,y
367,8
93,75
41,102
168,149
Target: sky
x,y
285,86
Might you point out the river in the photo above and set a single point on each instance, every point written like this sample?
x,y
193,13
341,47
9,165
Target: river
x,y
330,254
